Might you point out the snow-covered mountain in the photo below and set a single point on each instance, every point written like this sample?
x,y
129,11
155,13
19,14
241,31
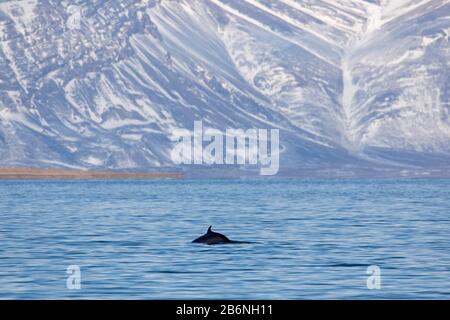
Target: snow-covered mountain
x,y
102,84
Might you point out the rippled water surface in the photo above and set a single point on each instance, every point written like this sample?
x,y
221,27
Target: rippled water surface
x,y
311,238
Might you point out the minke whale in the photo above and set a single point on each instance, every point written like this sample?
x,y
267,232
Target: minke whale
x,y
211,237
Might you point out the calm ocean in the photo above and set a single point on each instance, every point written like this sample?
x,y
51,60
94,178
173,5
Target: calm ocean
x,y
311,239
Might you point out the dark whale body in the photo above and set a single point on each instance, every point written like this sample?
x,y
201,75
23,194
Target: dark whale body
x,y
211,237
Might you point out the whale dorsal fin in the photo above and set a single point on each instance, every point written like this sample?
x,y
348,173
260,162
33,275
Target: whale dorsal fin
x,y
209,229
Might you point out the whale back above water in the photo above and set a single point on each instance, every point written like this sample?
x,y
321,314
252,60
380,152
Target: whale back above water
x,y
211,237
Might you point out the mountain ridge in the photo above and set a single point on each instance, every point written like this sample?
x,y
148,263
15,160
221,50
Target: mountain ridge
x,y
339,78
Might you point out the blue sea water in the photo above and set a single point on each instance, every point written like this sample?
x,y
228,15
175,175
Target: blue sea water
x,y
312,239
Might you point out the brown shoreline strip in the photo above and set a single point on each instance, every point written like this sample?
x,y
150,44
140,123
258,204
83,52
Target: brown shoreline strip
x,y
61,174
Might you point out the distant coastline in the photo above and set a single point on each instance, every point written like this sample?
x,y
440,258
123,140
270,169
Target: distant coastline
x,y
65,174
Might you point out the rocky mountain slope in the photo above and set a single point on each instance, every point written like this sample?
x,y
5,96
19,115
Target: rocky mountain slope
x,y
103,84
